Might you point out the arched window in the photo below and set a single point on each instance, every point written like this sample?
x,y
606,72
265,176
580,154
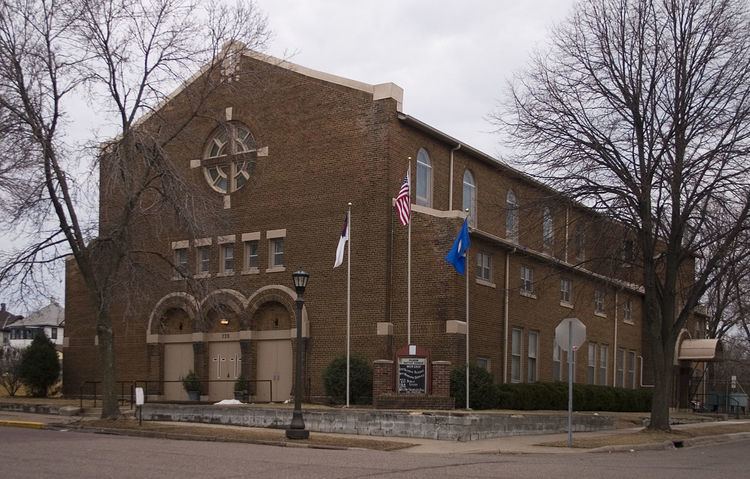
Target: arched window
x,y
548,229
511,216
470,197
223,168
424,178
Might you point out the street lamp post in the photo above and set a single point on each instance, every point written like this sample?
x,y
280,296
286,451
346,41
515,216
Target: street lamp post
x,y
297,427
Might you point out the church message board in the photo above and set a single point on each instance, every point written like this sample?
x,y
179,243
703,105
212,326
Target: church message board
x,y
412,374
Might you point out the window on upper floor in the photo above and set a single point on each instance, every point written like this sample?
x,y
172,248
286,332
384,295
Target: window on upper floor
x,y
251,255
277,253
470,197
579,243
566,291
484,266
599,301
548,230
227,258
53,333
627,311
527,280
181,261
511,216
628,252
203,259
424,178
224,166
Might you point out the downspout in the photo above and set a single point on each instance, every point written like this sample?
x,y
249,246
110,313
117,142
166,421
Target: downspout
x,y
614,353
450,182
506,315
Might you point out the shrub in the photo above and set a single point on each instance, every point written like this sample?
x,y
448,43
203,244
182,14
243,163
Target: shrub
x,y
483,394
360,381
40,367
586,397
191,382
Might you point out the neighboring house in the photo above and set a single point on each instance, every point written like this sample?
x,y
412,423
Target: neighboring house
x,y
50,320
284,157
6,319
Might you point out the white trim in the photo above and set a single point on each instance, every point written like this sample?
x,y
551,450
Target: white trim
x,y
485,283
276,269
273,234
203,242
251,236
527,294
184,244
226,239
566,304
228,113
600,315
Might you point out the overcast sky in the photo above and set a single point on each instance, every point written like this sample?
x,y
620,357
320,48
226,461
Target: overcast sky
x,y
452,58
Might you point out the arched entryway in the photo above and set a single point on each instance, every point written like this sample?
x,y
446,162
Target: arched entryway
x,y
222,325
176,325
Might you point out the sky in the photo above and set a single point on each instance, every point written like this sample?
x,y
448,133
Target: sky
x,y
453,59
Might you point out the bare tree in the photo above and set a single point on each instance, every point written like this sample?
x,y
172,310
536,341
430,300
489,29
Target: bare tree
x,y
10,370
124,56
641,110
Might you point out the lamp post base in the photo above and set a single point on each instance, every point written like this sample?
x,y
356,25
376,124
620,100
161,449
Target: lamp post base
x,y
297,434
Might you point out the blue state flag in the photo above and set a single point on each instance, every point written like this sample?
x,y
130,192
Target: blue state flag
x,y
457,255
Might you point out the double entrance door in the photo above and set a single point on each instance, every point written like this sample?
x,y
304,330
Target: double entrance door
x,y
224,368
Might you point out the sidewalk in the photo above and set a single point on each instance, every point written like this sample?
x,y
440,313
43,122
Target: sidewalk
x,y
527,444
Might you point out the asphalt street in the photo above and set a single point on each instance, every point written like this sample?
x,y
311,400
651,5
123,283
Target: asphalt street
x,y
40,454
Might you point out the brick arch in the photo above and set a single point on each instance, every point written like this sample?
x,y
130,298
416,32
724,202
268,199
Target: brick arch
x,y
218,300
183,301
282,295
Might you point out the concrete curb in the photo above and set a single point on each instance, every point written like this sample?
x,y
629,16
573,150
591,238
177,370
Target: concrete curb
x,y
690,442
22,424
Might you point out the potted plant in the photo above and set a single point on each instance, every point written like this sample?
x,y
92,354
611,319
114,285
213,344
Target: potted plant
x,y
240,390
192,384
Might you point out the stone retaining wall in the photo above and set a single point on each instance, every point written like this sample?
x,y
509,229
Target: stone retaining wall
x,y
451,426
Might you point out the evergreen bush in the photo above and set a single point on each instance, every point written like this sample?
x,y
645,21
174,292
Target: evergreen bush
x,y
334,378
483,394
40,367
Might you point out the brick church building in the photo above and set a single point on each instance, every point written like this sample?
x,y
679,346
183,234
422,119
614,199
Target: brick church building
x,y
284,153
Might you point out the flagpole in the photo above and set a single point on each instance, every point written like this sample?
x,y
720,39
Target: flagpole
x,y
348,299
467,260
408,261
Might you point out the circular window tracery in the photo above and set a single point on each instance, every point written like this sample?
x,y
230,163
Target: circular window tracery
x,y
225,167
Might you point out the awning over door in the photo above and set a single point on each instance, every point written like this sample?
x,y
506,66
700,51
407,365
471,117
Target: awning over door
x,y
700,350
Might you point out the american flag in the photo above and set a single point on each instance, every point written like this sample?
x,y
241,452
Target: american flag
x,y
403,202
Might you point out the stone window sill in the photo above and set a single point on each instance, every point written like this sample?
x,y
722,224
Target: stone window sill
x,y
251,271
600,314
276,269
484,282
528,294
566,304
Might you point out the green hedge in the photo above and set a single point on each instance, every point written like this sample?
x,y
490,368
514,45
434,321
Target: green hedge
x,y
544,396
334,378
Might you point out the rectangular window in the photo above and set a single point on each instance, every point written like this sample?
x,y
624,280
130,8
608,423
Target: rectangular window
x,y
251,255
277,253
631,369
484,363
515,360
566,291
527,280
620,379
599,301
603,356
579,244
531,366
627,311
484,266
591,370
181,261
558,372
53,333
227,258
204,259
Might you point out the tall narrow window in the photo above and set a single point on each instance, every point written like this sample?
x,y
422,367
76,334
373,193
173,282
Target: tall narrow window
x,y
591,370
631,369
566,291
515,360
579,243
251,255
531,366
548,230
53,333
527,280
599,301
628,252
603,356
627,311
181,261
470,197
511,216
277,253
227,258
204,259
484,266
619,374
557,366
424,178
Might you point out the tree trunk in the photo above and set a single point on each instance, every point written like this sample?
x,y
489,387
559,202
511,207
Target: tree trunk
x,y
110,407
662,394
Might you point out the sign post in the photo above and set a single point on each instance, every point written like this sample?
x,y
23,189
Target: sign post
x,y
570,334
139,400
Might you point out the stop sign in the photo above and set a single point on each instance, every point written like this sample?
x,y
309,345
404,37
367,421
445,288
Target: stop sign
x,y
567,329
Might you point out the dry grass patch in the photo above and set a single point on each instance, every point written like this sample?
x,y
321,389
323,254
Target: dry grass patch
x,y
648,437
240,434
